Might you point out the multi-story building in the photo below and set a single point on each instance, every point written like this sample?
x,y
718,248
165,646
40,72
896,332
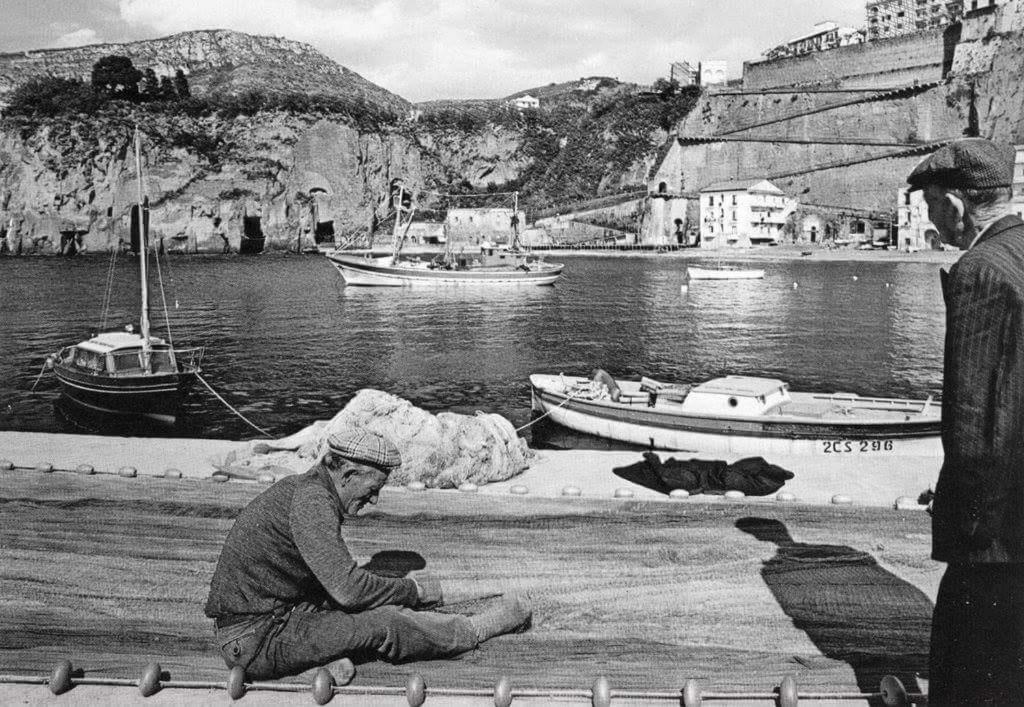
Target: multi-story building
x,y
683,73
892,18
825,35
740,214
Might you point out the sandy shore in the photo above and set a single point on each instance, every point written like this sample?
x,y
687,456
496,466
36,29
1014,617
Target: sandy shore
x,y
863,480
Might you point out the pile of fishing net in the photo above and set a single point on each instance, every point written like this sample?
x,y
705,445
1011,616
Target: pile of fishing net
x,y
442,451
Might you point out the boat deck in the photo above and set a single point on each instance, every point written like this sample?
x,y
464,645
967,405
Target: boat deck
x,y
836,408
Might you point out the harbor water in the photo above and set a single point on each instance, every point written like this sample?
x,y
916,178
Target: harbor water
x,y
287,343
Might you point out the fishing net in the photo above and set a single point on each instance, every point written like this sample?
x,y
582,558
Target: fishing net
x,y
442,451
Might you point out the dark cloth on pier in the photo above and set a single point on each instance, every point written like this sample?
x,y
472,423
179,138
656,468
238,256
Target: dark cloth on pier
x,y
287,594
753,475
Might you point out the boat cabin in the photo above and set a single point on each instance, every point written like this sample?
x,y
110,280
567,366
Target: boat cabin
x,y
736,395
118,354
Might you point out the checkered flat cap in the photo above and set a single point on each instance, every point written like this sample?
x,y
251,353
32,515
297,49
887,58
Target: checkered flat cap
x,y
365,447
971,163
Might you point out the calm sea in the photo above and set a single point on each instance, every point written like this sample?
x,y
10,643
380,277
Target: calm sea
x,y
288,343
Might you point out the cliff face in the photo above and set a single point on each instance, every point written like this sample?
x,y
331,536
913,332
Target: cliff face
x,y
79,177
299,171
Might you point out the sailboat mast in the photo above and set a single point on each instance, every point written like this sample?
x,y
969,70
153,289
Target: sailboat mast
x,y
143,256
396,242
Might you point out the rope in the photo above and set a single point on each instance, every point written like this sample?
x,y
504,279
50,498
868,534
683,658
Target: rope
x,y
109,287
163,300
537,419
38,378
226,403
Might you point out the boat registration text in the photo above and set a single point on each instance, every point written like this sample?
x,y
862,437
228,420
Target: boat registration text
x,y
855,446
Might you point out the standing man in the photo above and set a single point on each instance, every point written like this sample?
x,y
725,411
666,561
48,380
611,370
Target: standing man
x,y
287,595
977,648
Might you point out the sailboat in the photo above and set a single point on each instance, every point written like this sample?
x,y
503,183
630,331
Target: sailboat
x,y
124,373
492,266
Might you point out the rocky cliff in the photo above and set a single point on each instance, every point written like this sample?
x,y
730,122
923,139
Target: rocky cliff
x,y
291,171
215,61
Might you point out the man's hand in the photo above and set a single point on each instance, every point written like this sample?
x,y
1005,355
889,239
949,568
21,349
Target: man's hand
x,y
428,587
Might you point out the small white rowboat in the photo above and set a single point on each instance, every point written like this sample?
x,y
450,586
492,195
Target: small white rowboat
x,y
724,274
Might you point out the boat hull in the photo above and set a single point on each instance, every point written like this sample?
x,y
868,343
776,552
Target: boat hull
x,y
157,397
360,270
635,423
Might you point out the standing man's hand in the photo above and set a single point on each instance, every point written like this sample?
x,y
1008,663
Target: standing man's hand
x,y
428,587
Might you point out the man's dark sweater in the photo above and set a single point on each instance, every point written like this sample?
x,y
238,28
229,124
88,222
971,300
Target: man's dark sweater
x,y
286,548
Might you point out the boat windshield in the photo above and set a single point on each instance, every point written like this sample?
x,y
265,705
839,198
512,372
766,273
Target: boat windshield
x,y
126,362
87,360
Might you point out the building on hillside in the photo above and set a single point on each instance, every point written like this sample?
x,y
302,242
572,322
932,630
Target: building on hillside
x,y
712,73
825,35
526,102
739,214
915,231
683,73
894,18
972,7
473,226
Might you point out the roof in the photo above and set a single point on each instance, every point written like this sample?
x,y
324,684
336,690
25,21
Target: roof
x,y
742,386
759,186
113,340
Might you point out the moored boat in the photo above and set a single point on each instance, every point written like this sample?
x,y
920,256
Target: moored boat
x,y
128,374
490,265
502,268
724,273
744,415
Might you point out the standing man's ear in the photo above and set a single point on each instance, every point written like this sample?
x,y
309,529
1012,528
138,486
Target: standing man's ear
x,y
957,205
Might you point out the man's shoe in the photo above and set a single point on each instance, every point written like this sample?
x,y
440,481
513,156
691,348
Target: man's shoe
x,y
343,670
512,614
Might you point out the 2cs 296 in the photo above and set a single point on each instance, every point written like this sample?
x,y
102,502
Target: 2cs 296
x,y
846,446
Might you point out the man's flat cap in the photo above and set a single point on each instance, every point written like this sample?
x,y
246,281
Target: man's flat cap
x,y
365,447
971,163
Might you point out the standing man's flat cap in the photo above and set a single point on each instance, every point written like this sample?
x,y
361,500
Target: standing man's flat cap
x,y
971,163
365,447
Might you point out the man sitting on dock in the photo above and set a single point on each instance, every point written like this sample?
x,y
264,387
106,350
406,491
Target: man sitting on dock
x,y
288,596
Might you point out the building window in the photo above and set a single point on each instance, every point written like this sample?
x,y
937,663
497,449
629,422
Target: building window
x,y
734,200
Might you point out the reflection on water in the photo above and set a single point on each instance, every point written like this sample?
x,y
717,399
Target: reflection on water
x,y
288,343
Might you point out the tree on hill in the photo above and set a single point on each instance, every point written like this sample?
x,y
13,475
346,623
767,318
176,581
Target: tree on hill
x,y
50,96
166,91
116,76
150,85
181,85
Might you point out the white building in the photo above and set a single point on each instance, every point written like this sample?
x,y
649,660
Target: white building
x,y
740,214
712,73
916,232
493,224
526,102
825,35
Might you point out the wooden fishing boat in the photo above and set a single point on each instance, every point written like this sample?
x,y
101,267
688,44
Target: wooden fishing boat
x,y
501,268
740,414
488,266
124,373
724,273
